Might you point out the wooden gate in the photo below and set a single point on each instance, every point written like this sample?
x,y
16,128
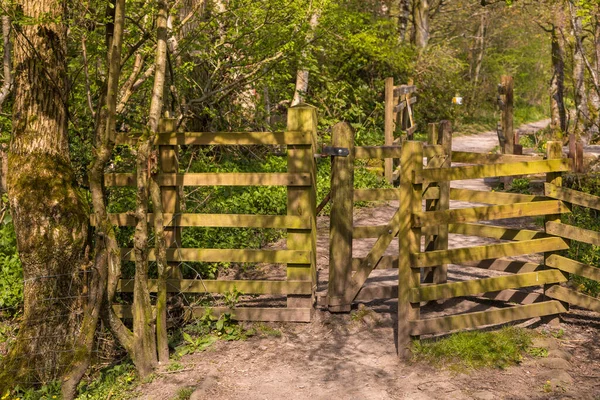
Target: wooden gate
x,y
299,256
423,211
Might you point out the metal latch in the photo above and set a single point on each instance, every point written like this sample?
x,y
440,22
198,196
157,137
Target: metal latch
x,y
328,151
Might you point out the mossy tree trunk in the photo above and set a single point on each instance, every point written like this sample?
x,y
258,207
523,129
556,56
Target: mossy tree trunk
x,y
49,213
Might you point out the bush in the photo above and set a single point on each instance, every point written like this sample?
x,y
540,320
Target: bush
x,y
11,273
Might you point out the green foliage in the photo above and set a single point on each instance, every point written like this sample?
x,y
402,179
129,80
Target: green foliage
x,y
520,185
208,329
472,350
184,393
263,329
11,273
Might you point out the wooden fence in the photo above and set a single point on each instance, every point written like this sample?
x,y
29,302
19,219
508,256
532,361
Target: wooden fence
x,y
424,195
300,221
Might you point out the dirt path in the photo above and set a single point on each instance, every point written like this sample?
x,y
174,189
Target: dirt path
x,y
354,357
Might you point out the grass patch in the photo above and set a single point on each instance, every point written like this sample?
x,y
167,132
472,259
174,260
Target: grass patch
x,y
466,351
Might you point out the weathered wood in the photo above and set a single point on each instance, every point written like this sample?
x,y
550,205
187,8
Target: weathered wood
x,y
553,151
216,179
389,126
477,196
218,286
492,170
409,242
370,293
507,114
573,232
440,272
572,196
219,220
431,193
385,262
302,201
374,152
404,89
514,296
489,158
229,255
482,318
573,297
495,232
223,138
573,267
456,256
503,265
402,105
375,194
341,221
242,313
426,218
368,231
477,286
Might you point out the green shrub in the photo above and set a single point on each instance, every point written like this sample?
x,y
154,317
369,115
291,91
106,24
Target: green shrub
x,y
11,273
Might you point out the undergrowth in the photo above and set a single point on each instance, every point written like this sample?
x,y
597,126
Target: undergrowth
x,y
466,351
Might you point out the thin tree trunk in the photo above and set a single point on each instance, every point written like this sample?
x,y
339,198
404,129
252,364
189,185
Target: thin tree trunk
x,y
582,115
48,210
107,249
478,59
421,23
557,83
302,73
7,85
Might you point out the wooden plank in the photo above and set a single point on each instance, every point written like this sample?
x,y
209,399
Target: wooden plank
x,y
488,158
573,297
482,318
220,286
216,179
368,231
374,152
492,170
478,196
242,313
409,243
223,138
385,262
411,130
434,150
573,232
375,194
477,286
342,217
516,210
431,193
302,202
456,256
514,296
573,267
218,220
572,196
402,105
389,126
370,293
228,255
495,232
505,265
404,89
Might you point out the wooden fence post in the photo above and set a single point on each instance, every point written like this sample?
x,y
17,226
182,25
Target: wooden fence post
x,y
389,126
553,151
341,221
507,114
409,241
169,164
302,201
440,274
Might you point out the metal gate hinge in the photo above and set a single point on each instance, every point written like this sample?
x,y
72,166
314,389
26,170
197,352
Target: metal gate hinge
x,y
328,151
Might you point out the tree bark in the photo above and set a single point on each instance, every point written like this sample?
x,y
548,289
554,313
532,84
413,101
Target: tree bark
x,y
7,85
582,115
558,113
421,23
48,210
302,73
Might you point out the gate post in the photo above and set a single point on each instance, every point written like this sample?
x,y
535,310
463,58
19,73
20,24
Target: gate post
x,y
302,201
169,164
409,241
341,219
553,151
389,126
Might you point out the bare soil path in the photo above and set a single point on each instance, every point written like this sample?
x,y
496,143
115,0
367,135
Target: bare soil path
x,y
354,356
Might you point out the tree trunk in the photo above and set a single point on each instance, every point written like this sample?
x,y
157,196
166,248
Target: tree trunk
x,y
478,59
400,10
7,60
49,212
106,249
421,23
302,73
582,115
557,83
